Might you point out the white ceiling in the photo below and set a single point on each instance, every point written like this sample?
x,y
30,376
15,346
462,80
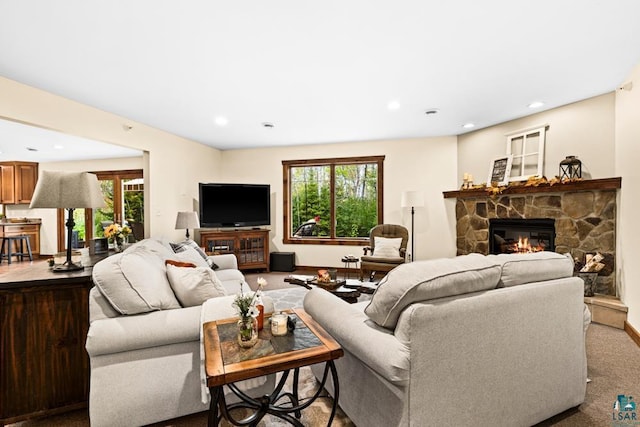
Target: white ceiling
x,y
34,144
319,71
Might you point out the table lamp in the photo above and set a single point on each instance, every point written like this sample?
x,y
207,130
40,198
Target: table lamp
x,y
412,199
67,190
187,220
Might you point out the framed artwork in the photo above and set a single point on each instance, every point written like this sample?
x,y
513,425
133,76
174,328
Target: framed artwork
x,y
500,170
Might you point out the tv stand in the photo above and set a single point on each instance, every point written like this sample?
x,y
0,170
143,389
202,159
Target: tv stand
x,y
251,247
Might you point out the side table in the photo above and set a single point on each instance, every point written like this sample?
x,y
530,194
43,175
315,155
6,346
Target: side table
x,y
348,260
226,363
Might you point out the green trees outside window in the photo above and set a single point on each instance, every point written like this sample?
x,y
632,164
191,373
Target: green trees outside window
x,y
332,199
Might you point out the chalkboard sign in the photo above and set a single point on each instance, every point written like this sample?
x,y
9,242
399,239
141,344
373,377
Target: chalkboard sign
x,y
499,171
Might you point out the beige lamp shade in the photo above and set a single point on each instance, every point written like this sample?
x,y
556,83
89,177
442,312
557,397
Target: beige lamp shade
x,y
186,220
56,189
412,199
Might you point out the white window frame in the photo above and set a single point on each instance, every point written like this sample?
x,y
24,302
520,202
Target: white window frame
x,y
534,157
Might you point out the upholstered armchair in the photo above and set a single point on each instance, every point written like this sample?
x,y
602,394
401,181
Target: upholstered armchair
x,y
388,247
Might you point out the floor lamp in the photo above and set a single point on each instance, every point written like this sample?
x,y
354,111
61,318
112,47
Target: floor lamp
x,y
67,190
412,199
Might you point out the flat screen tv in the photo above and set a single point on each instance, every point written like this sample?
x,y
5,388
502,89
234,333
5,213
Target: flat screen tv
x,y
234,205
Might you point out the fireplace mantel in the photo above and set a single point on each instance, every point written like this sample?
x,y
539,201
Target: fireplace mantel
x,y
586,185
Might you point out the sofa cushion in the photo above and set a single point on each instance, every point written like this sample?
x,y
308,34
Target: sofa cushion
x,y
188,243
135,281
426,280
386,247
193,286
518,269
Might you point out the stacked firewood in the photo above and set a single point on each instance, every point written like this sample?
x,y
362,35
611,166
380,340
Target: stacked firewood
x,y
593,263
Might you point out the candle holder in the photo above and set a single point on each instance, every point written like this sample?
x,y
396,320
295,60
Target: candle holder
x,y
279,324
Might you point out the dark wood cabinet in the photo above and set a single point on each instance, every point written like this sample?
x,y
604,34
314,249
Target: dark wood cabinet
x,y
251,247
44,318
17,182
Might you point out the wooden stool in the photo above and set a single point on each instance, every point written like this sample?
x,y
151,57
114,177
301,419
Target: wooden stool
x,y
7,242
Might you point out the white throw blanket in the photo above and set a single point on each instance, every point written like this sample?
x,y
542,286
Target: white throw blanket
x,y
216,309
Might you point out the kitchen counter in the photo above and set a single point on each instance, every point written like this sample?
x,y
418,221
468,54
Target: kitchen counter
x,y
20,221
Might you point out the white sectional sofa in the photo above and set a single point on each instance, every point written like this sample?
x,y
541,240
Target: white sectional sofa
x,y
469,341
146,364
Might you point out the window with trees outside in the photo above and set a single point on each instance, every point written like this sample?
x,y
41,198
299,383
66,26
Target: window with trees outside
x,y
332,201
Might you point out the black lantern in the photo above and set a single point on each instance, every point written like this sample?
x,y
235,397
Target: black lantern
x,y
570,168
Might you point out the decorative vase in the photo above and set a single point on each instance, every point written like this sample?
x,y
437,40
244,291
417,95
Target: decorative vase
x,y
118,244
247,332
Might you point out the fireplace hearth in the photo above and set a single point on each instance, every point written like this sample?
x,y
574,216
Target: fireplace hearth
x,y
521,235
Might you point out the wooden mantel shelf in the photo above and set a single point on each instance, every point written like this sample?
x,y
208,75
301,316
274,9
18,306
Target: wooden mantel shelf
x,y
586,185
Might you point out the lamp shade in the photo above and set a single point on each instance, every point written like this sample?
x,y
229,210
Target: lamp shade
x,y
412,199
186,220
56,189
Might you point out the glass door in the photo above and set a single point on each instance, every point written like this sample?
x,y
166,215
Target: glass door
x,y
124,198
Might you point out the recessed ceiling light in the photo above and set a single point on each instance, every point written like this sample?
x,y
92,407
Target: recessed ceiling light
x,y
221,121
468,125
58,147
393,105
432,111
536,104
268,125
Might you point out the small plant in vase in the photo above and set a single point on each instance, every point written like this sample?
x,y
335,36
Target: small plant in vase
x,y
249,309
117,234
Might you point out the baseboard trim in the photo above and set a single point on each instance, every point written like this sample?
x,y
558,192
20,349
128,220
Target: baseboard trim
x,y
632,332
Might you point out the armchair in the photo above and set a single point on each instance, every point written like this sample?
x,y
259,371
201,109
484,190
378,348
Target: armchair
x,y
389,255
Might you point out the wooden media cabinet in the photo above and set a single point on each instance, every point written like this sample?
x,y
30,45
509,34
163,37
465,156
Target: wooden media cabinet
x,y
251,247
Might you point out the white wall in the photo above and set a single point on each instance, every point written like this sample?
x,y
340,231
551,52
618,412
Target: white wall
x,y
173,167
627,158
585,129
427,164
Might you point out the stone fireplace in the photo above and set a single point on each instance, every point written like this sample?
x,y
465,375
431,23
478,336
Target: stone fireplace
x,y
583,214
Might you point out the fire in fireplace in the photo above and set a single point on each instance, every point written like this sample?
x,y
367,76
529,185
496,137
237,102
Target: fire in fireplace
x,y
521,235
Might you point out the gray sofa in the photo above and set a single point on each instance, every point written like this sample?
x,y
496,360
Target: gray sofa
x,y
473,340
146,364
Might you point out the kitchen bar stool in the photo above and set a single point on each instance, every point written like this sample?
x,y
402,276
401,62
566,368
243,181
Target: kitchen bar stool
x,y
7,245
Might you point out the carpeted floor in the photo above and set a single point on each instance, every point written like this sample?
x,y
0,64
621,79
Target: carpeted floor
x,y
613,366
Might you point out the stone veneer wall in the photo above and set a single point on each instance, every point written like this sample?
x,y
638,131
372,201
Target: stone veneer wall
x,y
585,223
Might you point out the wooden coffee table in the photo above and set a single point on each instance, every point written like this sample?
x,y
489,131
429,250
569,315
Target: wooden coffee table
x,y
227,363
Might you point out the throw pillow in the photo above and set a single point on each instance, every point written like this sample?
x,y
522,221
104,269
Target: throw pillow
x,y
180,263
191,255
186,244
135,281
386,248
427,280
193,286
212,264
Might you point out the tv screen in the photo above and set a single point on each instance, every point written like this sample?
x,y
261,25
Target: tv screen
x,y
234,205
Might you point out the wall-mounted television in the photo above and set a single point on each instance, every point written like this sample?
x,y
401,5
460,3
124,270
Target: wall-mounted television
x,y
234,205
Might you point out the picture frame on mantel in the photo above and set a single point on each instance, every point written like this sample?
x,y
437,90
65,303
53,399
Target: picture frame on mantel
x,y
500,170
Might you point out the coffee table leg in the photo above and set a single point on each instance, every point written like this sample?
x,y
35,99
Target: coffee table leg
x,y
213,406
296,376
336,391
